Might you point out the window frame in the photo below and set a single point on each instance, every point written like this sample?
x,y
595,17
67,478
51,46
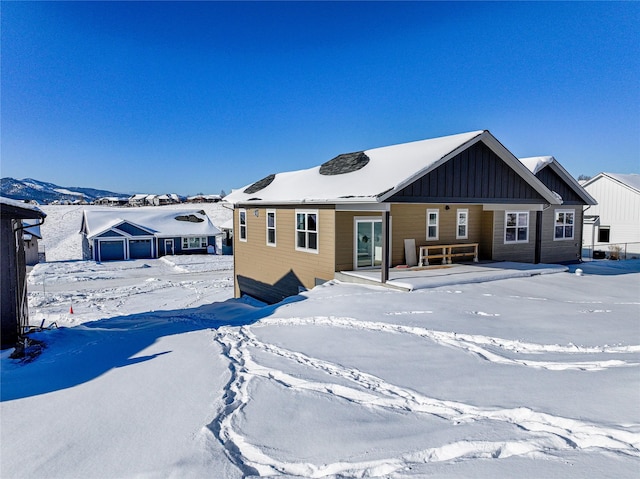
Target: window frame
x,y
516,227
564,225
202,240
242,228
465,212
602,229
307,232
436,225
271,228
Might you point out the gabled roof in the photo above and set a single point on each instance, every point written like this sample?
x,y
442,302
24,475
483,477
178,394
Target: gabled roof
x,y
536,164
158,222
631,181
375,175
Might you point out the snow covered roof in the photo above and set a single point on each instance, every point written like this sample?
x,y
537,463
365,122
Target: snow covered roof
x,y
537,163
631,180
209,197
30,211
372,175
159,222
227,225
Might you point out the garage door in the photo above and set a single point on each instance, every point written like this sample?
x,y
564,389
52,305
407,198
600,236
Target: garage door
x,y
140,249
111,250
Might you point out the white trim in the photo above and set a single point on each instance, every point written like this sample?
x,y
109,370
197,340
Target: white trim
x,y
125,247
206,240
517,213
464,211
306,249
267,228
357,219
173,246
240,225
573,231
437,225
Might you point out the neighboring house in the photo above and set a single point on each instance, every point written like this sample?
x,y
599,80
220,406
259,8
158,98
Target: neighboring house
x,y
31,235
297,229
203,199
615,221
15,309
111,201
145,233
140,199
562,224
161,200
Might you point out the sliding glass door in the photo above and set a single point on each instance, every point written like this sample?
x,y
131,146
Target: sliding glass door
x,y
368,243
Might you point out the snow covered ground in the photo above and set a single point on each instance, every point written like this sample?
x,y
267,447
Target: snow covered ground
x,y
160,373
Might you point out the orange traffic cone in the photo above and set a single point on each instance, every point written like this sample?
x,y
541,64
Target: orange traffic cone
x,y
71,310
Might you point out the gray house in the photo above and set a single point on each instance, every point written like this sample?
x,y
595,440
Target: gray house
x,y
15,310
562,225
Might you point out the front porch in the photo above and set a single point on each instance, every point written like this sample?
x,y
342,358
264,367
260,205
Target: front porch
x,y
409,279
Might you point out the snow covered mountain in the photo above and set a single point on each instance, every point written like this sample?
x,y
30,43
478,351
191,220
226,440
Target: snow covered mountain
x,y
42,192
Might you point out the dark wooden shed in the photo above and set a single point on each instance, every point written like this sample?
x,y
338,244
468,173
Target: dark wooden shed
x,y
15,310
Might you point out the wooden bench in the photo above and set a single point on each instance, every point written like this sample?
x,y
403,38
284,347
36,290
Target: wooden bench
x,y
446,252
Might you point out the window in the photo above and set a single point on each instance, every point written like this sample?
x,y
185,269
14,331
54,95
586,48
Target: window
x,y
432,224
242,219
194,242
564,224
307,231
604,234
463,219
516,227
271,227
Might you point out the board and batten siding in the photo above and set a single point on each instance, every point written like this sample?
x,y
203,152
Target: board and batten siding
x,y
272,273
475,175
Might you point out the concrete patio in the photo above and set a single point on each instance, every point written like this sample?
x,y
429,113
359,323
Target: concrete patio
x,y
409,279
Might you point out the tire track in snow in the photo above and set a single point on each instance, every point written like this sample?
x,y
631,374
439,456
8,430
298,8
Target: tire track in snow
x,y
476,344
547,433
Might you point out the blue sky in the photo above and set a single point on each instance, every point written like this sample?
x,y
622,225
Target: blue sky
x,y
199,97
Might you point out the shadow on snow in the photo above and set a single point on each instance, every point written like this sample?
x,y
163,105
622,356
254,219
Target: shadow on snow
x,y
76,355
